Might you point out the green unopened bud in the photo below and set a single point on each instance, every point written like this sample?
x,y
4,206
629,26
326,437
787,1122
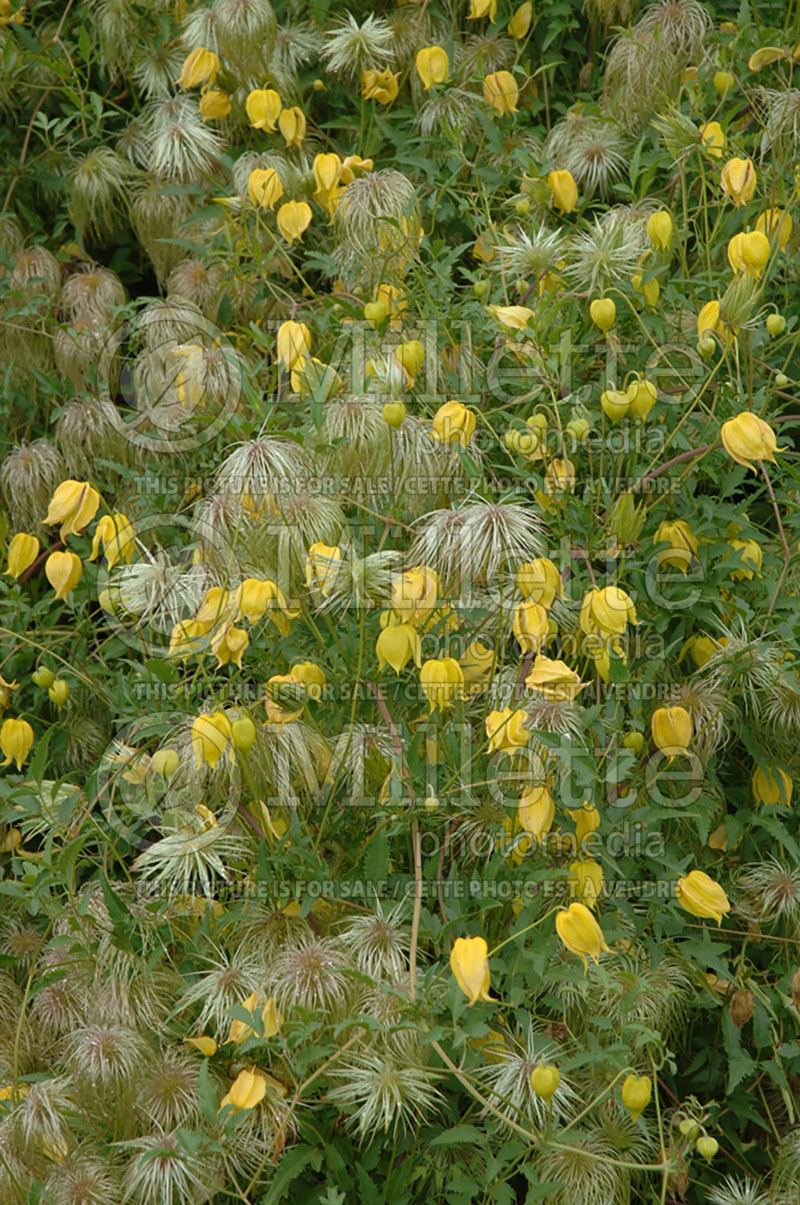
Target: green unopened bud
x,y
480,288
42,677
633,741
243,732
781,380
579,429
59,692
776,324
165,762
707,1147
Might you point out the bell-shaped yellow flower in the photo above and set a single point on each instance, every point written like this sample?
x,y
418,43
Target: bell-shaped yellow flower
x,y
636,1092
410,356
708,320
738,180
442,682
293,219
506,730
246,1091
229,644
642,396
214,104
211,738
772,785
681,539
453,422
199,67
381,86
615,404
660,229
263,107
74,504
256,598
292,124
414,595
433,66
264,187
477,663
750,552
702,896
554,679
293,344
312,677
536,811
749,253
271,1019
520,23
500,91
712,136
587,820
397,645
322,567
530,626
586,881
206,1045
766,56
540,581
327,173
581,934
603,313
469,963
515,317
607,611
16,739
776,224
115,533
63,571
482,8
544,1081
672,729
22,552
748,439
564,190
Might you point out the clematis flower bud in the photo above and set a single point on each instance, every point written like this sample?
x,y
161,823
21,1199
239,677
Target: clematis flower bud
x,y
470,965
536,812
442,682
520,23
63,571
500,91
322,567
433,66
540,582
747,439
564,190
116,535
506,730
22,552
713,139
263,107
738,180
74,504
672,729
603,313
16,739
580,933
660,229
544,1081
453,422
702,896
642,395
636,1093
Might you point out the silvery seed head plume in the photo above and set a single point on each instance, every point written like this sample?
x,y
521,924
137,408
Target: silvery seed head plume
x,y
299,518
177,145
200,28
156,66
603,254
507,1081
780,114
377,225
453,111
381,1095
262,930
769,891
158,217
361,582
231,977
680,25
359,439
658,1000
312,974
158,590
162,1171
487,52
20,939
355,754
77,348
167,1092
351,48
478,541
197,282
430,471
530,254
91,292
82,1178
43,1113
28,476
587,1170
259,469
35,278
244,28
12,238
593,149
296,45
186,861
105,1056
251,161
379,942
739,1190
746,668
100,184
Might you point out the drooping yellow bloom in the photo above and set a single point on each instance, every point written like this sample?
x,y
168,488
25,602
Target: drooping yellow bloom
x,y
771,785
454,422
199,67
520,23
74,504
442,682
560,476
186,638
749,253
515,317
650,289
293,344
414,595
681,539
16,739
642,395
292,124
469,963
564,190
636,1092
607,611
263,107
672,729
8,16
702,896
536,811
398,644
506,730
410,356
603,313
271,1019
311,675
581,933
544,1081
708,320
327,173
293,219
712,137
482,8
433,66
540,581
748,439
381,86
63,571
322,566
264,187
766,56
285,698
554,679
587,820
738,180
500,91
353,167
586,881
776,224
615,404
229,644
530,626
211,738
476,665
750,552
116,535
660,229
216,606
246,1091
22,552
214,104
256,597
206,1045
